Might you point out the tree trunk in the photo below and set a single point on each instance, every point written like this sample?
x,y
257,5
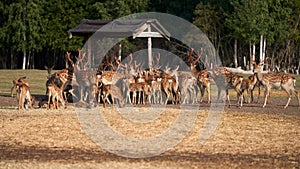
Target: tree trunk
x,y
252,54
264,52
235,54
261,50
28,59
24,59
32,59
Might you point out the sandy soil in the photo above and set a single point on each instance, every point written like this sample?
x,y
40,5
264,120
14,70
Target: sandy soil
x,y
248,137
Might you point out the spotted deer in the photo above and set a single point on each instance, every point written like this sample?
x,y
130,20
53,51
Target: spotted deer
x,y
202,76
170,86
277,81
84,78
55,95
224,81
115,93
246,85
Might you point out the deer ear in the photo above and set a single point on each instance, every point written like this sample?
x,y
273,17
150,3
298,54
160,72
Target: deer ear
x,y
46,67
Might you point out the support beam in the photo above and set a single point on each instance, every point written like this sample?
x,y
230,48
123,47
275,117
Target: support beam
x,y
149,47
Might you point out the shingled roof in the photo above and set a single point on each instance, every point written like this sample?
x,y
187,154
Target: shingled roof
x,y
120,28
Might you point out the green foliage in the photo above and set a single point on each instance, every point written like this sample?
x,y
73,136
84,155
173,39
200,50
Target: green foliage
x,y
23,25
114,9
40,27
59,17
180,8
253,18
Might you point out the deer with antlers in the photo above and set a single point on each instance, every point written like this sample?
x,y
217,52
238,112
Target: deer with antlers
x,y
85,78
275,80
202,76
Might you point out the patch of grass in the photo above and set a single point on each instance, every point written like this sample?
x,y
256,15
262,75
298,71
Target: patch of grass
x,y
36,79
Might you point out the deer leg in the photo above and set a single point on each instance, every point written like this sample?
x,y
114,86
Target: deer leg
x,y
208,93
112,100
267,93
241,99
202,90
127,98
21,102
104,101
228,99
288,92
251,98
219,93
54,102
258,94
49,97
11,90
133,97
297,95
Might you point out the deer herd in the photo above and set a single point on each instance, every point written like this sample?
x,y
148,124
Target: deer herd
x,y
115,82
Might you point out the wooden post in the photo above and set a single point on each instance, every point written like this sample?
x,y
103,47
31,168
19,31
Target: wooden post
x,y
149,47
120,52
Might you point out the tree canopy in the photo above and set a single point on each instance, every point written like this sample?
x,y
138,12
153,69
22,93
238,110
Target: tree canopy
x,y
34,32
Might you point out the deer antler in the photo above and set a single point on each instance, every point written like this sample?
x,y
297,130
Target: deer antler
x,y
81,56
86,63
158,58
109,63
251,59
69,58
263,61
199,57
136,64
191,56
130,61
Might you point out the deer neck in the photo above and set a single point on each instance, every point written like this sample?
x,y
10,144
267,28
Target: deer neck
x,y
258,76
194,70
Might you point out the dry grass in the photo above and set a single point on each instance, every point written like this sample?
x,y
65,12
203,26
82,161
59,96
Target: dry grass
x,y
54,139
250,137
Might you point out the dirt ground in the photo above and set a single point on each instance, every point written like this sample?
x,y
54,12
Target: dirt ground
x,y
248,137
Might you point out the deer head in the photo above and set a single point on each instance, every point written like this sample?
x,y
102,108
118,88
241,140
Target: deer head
x,y
49,70
193,62
258,66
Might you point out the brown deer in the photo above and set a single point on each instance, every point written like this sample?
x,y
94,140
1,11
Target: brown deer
x,y
49,69
24,96
275,80
55,93
248,85
170,86
115,93
202,76
84,78
18,81
224,81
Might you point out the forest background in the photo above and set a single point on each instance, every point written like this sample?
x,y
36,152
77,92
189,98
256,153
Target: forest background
x,y
33,33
